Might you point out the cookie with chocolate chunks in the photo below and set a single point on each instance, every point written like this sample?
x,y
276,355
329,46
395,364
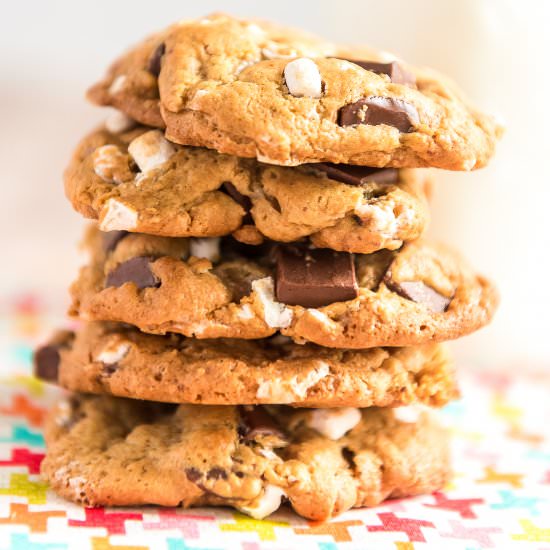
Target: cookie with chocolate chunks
x,y
110,358
105,451
135,181
315,94
208,288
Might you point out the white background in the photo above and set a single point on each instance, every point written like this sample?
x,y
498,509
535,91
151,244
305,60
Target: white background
x,y
497,50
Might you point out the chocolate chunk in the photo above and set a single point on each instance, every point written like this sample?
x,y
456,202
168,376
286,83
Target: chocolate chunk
x,y
356,175
397,74
109,369
193,474
46,363
238,197
216,473
110,239
136,270
46,359
380,110
419,292
154,64
314,278
256,421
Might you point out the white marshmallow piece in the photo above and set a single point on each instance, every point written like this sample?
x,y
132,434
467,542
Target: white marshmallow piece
x,y
296,388
150,150
118,84
266,504
116,216
276,315
113,353
334,423
106,158
409,413
118,122
208,248
303,78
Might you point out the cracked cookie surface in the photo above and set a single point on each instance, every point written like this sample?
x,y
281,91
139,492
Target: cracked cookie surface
x,y
116,452
325,107
119,360
195,192
208,288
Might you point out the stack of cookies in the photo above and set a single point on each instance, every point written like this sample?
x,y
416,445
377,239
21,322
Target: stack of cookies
x,y
261,317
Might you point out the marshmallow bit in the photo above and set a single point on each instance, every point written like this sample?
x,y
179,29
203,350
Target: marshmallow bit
x,y
64,413
409,414
276,315
150,150
266,504
303,78
208,248
111,164
115,216
334,423
113,353
284,391
382,217
117,122
118,84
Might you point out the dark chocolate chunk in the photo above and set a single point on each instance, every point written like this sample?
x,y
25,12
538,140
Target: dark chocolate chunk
x,y
256,421
46,363
397,74
109,369
193,474
356,175
136,270
314,278
419,292
216,473
46,359
110,239
238,197
380,110
154,64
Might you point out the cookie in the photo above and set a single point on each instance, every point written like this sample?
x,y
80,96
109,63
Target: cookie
x,y
135,180
119,360
212,288
253,89
105,451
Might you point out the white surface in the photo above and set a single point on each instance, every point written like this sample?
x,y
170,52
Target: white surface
x,y
496,49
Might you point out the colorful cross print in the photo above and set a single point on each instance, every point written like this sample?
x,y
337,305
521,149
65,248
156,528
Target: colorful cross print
x,y
114,522
412,527
511,500
188,524
532,533
461,505
479,534
37,521
492,476
338,530
21,405
265,528
24,457
21,434
21,486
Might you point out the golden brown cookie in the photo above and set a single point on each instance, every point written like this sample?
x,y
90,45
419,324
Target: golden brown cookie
x,y
119,360
116,452
135,180
253,89
211,288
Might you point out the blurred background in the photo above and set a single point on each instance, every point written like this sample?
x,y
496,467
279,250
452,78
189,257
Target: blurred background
x,y
497,50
